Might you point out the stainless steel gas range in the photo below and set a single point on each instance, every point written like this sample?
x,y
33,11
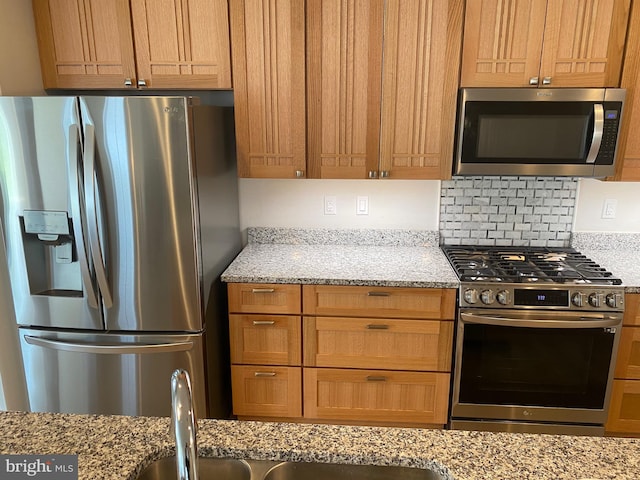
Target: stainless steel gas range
x,y
536,340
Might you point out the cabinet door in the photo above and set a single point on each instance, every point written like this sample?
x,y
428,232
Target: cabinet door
x,y
632,309
421,55
378,343
265,339
182,43
84,43
394,302
628,162
628,361
584,43
266,391
502,42
344,64
624,410
268,39
273,298
376,395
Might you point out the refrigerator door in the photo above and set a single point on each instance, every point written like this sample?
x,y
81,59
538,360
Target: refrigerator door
x,y
111,374
52,280
141,210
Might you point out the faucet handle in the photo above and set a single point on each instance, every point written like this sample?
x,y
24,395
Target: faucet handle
x,y
183,426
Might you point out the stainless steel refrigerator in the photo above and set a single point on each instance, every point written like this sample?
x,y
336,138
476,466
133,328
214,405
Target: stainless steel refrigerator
x,y
119,214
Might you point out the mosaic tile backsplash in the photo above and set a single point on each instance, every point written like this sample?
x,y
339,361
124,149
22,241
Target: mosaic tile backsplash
x,y
507,211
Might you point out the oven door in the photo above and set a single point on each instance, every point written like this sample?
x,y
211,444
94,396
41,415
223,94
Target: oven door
x,y
533,366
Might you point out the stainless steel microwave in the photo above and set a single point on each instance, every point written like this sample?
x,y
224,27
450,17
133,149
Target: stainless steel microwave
x,y
535,131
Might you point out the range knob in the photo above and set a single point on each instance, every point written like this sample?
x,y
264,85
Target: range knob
x,y
471,296
613,300
503,297
487,297
578,299
595,299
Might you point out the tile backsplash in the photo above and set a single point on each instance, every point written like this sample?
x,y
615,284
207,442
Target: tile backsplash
x,y
507,211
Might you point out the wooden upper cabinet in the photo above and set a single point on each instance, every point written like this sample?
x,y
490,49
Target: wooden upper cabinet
x,y
628,163
84,43
502,42
422,41
182,43
547,43
268,38
344,63
89,44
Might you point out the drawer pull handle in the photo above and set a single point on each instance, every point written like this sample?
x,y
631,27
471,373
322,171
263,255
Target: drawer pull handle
x,y
264,374
375,326
378,294
263,290
264,322
375,378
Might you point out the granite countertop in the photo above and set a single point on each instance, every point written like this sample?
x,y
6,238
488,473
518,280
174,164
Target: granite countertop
x,y
617,252
393,259
119,447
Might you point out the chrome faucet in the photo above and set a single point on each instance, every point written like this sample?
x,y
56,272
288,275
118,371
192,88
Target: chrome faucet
x,y
183,426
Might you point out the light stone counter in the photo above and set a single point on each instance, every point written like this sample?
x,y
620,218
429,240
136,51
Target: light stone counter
x,y
617,252
390,258
118,447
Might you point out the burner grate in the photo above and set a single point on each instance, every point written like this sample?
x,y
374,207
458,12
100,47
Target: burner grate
x,y
526,265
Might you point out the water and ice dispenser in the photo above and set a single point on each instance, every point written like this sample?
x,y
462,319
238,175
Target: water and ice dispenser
x,y
50,253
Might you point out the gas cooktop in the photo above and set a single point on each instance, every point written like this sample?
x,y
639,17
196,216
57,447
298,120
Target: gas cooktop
x,y
526,265
533,278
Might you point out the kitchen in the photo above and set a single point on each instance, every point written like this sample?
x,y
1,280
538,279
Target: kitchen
x,y
400,205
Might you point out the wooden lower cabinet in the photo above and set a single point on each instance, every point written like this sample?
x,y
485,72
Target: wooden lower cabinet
x,y
266,391
624,409
422,345
376,395
344,354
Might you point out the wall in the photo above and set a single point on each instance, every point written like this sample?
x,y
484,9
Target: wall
x,y
393,204
590,201
19,61
19,75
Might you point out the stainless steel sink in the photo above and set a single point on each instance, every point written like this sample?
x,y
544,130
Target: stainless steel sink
x,y
214,468
232,469
332,471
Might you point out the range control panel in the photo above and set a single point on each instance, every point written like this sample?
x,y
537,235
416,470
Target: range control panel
x,y
576,297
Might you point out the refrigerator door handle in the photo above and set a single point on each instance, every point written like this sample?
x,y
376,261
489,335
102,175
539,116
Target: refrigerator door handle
x,y
77,219
92,215
133,348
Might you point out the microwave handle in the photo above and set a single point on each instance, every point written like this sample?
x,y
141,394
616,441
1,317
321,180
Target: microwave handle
x,y
598,126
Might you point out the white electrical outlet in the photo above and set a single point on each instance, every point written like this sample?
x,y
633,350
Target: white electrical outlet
x,y
609,208
362,205
330,205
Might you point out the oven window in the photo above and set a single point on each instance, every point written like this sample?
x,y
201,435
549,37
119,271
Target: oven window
x,y
535,366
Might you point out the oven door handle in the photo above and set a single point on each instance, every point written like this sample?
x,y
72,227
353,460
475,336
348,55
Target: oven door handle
x,y
583,322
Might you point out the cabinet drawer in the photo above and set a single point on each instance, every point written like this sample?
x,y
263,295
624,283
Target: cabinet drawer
x,y
632,309
265,339
624,410
266,391
376,395
433,303
424,345
264,298
628,362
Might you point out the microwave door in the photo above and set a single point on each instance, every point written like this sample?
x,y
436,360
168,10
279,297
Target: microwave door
x,y
598,127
